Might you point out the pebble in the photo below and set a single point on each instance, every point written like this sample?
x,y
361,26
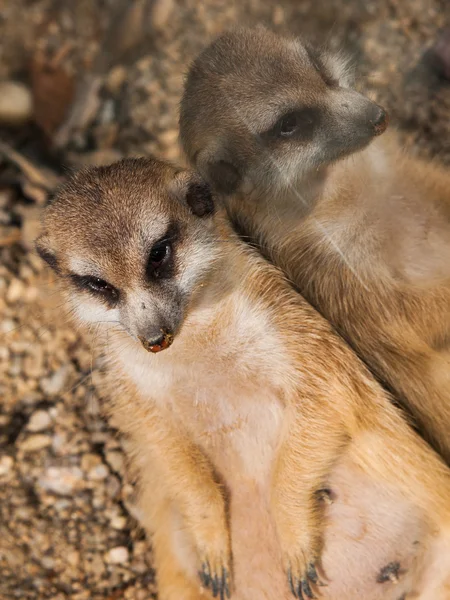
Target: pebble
x,y
116,462
35,442
98,473
15,291
89,461
33,364
16,103
53,385
6,463
39,421
61,480
118,555
118,522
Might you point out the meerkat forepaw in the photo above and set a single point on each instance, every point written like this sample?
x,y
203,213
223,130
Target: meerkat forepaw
x,y
303,577
216,578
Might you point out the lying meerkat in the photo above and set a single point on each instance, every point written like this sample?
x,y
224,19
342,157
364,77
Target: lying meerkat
x,y
241,404
362,231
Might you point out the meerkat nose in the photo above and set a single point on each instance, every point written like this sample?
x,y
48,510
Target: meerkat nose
x,y
157,344
380,120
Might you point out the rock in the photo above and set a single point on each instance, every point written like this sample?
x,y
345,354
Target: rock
x,y
116,79
16,103
15,291
118,522
35,442
39,421
161,11
33,364
6,464
53,385
118,555
89,461
116,462
61,480
98,473
169,137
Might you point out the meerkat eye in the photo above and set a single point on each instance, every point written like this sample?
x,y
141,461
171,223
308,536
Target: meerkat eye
x,y
98,286
288,124
300,123
159,260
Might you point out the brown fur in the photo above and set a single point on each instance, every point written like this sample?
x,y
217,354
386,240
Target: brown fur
x,y
365,239
255,407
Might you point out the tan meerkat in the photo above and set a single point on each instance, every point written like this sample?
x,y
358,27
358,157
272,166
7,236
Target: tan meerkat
x,y
362,230
242,405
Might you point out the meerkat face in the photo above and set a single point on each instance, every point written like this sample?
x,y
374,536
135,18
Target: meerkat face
x,y
131,243
268,110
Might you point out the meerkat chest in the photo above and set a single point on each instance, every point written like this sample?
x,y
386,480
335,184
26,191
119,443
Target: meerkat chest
x,y
221,383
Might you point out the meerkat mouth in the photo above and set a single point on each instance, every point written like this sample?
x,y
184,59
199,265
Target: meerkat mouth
x,y
158,345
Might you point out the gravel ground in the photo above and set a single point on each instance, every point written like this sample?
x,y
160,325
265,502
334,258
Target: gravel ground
x,y
68,526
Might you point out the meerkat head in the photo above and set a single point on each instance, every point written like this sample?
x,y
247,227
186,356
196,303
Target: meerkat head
x,y
131,243
268,110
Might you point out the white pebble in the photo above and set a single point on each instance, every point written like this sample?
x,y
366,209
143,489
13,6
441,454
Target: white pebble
x,y
98,473
15,291
16,103
39,421
35,442
61,480
6,463
118,555
53,385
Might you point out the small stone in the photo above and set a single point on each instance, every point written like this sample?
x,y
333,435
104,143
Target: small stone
x,y
6,464
61,480
73,558
16,103
89,461
35,442
116,78
39,421
98,473
169,137
118,522
15,291
48,563
53,385
116,462
33,364
118,555
161,11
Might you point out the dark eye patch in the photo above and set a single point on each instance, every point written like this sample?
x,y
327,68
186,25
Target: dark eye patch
x,y
96,286
298,124
160,262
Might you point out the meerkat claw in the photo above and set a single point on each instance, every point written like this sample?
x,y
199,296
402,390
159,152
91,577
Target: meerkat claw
x,y
218,584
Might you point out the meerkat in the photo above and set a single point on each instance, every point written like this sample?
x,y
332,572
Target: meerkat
x,y
362,229
241,405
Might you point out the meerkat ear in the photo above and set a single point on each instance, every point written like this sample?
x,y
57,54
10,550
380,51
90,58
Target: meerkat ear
x,y
199,198
219,171
42,245
190,188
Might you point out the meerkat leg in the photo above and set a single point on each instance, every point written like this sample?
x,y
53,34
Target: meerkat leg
x,y
173,554
304,463
185,475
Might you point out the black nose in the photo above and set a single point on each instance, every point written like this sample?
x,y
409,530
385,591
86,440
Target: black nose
x,y
158,343
379,120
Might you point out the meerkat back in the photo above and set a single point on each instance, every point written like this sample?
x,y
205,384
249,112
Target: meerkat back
x,y
360,228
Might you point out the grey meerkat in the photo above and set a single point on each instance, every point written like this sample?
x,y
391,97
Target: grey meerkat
x,y
241,405
362,229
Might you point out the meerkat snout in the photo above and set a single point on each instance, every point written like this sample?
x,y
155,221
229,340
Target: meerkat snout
x,y
266,110
131,243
